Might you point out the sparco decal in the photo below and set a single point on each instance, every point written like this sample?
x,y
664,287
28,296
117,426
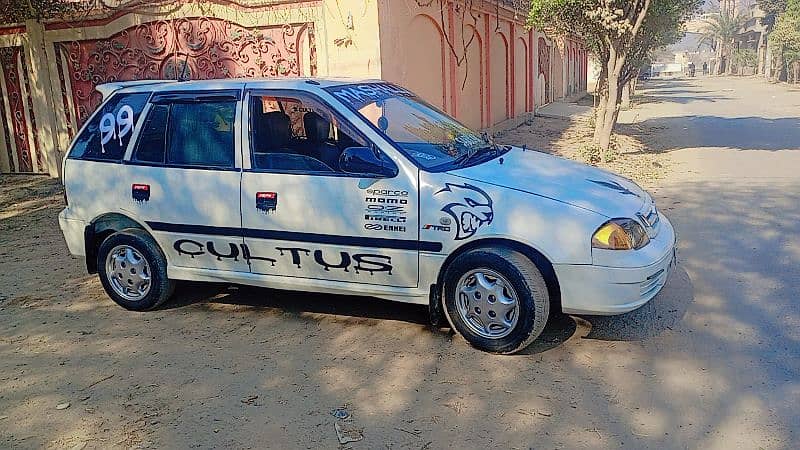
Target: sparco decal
x,y
469,206
295,255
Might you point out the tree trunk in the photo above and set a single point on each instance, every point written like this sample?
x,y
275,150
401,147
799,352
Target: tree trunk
x,y
611,111
600,111
625,95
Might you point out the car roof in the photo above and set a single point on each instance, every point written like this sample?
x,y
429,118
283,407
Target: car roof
x,y
299,83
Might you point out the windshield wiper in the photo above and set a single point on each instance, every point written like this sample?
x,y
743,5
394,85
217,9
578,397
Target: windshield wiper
x,y
479,151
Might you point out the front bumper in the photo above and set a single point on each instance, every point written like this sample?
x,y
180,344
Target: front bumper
x,y
605,290
73,230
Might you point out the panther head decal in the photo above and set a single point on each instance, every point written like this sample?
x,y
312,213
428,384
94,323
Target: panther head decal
x,y
469,206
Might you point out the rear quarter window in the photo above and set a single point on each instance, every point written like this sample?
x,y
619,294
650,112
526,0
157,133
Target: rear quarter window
x,y
108,132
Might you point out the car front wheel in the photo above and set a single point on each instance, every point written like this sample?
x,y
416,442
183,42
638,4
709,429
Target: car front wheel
x,y
133,270
496,298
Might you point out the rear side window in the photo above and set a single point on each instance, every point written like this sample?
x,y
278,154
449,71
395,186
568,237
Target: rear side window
x,y
189,134
108,133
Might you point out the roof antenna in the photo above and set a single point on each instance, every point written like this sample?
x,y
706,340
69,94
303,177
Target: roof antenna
x,y
183,76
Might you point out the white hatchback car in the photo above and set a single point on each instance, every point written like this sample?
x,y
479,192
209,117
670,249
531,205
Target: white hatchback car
x,y
353,187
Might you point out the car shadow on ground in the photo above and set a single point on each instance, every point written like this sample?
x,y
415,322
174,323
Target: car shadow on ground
x,y
660,314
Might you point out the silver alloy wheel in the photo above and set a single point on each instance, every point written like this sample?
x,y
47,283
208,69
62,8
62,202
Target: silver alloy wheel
x,y
487,303
128,272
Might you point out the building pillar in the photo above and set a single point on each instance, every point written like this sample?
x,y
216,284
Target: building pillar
x,y
42,94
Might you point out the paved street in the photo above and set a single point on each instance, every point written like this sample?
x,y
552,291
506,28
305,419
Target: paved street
x,y
712,362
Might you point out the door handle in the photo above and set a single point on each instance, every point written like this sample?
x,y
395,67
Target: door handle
x,y
140,192
266,202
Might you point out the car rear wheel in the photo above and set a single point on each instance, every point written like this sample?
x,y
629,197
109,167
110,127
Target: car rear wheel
x,y
133,270
496,298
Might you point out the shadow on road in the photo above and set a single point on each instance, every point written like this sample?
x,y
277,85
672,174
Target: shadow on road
x,y
652,319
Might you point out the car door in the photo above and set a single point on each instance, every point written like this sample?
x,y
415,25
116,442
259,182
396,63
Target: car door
x,y
302,216
184,178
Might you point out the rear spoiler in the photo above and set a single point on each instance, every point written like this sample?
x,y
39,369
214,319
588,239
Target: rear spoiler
x,y
109,88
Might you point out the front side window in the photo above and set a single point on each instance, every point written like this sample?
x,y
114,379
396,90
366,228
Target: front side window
x,y
297,134
109,131
434,140
189,134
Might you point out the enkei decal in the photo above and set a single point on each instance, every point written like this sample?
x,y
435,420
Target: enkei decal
x,y
115,127
381,227
359,262
469,206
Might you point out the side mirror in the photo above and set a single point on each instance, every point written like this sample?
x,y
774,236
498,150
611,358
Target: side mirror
x,y
368,162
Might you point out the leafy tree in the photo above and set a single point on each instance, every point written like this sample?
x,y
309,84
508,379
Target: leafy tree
x,y
720,30
622,33
786,36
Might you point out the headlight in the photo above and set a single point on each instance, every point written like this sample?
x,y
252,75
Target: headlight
x,y
620,234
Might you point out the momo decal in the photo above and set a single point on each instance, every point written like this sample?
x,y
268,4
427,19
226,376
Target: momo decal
x,y
469,206
297,256
615,186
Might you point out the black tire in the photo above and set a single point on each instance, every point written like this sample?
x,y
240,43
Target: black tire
x,y
527,282
161,287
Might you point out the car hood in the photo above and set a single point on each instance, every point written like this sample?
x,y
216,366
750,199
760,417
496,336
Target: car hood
x,y
561,180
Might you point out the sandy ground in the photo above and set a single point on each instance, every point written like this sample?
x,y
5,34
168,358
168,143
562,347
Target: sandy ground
x,y
710,363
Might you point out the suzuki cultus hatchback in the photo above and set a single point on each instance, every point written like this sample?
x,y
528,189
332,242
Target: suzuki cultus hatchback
x,y
351,187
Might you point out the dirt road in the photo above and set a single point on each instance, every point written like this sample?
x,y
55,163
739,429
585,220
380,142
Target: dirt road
x,y
712,362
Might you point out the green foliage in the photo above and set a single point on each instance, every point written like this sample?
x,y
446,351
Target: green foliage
x,y
721,29
772,7
786,33
599,22
19,11
745,57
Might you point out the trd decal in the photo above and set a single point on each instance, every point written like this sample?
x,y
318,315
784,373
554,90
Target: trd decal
x,y
359,261
140,192
469,206
433,227
615,186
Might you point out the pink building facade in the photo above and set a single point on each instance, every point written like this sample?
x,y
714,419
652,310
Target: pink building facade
x,y
474,59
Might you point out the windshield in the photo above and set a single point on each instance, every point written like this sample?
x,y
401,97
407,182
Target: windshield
x,y
430,137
